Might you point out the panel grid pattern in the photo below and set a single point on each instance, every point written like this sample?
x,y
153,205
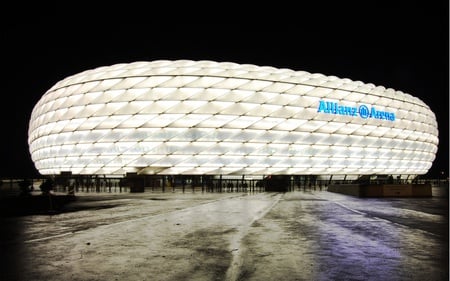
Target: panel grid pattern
x,y
205,117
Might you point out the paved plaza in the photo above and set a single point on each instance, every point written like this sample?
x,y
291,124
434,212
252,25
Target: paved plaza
x,y
300,235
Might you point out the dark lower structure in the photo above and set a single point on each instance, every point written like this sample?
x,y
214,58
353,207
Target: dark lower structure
x,y
382,190
277,183
364,186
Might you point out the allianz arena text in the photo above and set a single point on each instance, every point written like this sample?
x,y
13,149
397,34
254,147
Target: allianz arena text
x,y
188,117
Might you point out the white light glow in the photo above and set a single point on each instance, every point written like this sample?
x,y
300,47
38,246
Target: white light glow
x,y
205,117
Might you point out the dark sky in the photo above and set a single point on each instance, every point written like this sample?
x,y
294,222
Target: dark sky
x,y
404,47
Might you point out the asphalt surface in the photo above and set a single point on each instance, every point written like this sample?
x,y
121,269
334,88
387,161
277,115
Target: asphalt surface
x,y
301,235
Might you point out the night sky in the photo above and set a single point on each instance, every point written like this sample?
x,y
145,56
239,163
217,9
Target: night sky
x,y
404,47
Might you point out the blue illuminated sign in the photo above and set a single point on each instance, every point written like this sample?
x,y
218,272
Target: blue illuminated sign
x,y
363,111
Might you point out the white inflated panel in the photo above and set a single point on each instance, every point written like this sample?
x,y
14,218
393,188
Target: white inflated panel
x,y
205,117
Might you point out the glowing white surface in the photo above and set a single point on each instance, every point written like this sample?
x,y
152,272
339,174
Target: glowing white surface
x,y
204,117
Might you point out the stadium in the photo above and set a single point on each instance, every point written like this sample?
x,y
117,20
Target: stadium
x,y
227,120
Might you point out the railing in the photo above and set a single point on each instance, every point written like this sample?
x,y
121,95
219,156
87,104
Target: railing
x,y
16,186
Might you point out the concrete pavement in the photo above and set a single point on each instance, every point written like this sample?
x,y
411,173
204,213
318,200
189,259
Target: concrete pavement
x,y
301,235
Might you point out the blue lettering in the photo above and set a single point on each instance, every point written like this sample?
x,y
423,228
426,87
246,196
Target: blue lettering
x,y
392,116
373,113
331,107
322,107
361,111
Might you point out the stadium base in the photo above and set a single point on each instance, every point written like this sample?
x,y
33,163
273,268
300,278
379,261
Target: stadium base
x,y
383,190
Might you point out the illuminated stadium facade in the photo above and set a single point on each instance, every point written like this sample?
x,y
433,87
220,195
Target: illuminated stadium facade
x,y
210,118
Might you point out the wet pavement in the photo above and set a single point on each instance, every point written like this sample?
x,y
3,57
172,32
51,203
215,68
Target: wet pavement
x,y
301,235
